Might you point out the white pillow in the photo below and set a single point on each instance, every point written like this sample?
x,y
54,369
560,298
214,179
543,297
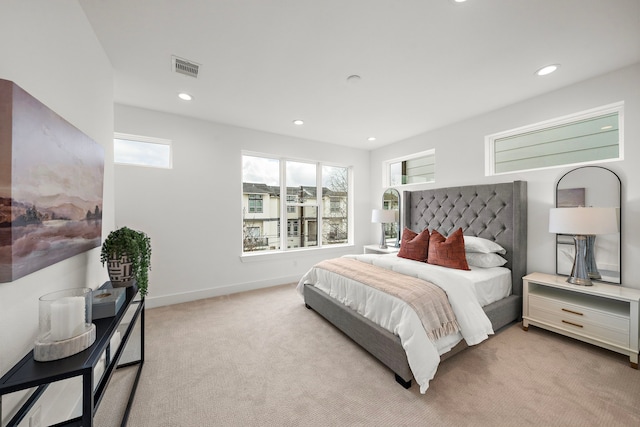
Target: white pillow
x,y
476,259
483,246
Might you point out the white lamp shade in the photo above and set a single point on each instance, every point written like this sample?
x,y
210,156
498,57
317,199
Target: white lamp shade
x,y
383,216
583,221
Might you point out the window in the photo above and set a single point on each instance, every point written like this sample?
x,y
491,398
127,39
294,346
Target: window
x,y
587,137
253,231
290,208
316,197
255,203
141,151
335,191
417,168
293,228
336,204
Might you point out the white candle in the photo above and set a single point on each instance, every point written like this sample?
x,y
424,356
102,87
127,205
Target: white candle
x,y
67,318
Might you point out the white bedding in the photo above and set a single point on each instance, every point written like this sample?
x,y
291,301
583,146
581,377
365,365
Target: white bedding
x,y
465,290
491,284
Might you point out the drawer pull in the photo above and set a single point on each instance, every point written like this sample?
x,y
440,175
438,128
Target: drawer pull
x,y
573,324
573,312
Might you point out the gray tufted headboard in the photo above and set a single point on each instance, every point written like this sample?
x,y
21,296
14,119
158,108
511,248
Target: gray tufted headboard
x,y
496,212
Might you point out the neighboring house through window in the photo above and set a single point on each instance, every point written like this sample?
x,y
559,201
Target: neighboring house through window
x,y
316,198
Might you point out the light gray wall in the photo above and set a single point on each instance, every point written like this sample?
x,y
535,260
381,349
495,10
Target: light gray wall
x,y
460,154
49,49
193,212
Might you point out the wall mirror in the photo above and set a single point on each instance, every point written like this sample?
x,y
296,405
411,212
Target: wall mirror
x,y
391,201
591,186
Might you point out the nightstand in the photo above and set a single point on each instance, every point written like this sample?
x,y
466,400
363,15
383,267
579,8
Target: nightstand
x,y
375,249
604,315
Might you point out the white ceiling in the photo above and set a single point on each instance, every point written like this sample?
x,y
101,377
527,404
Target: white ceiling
x,y
423,63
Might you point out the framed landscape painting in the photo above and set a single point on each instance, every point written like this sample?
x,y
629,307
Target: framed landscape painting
x,y
51,177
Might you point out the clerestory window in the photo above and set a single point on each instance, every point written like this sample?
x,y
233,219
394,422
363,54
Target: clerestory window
x,y
135,150
578,139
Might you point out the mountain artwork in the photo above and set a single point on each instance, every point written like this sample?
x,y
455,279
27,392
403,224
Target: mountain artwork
x,y
51,177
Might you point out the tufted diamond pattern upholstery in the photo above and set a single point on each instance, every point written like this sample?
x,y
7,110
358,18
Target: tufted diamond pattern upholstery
x,y
493,211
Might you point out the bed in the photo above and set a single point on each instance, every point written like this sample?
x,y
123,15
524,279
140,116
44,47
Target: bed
x,y
496,212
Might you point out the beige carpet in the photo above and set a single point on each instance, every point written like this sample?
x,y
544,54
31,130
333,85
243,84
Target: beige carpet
x,y
261,358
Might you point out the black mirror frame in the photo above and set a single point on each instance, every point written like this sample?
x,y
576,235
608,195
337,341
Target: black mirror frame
x,y
619,282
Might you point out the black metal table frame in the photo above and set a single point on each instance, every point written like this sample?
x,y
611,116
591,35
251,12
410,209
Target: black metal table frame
x,y
28,373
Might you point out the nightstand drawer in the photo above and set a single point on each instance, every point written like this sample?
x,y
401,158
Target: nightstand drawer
x,y
580,312
602,314
600,325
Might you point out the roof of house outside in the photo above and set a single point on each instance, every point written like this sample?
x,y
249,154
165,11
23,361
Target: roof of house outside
x,y
257,188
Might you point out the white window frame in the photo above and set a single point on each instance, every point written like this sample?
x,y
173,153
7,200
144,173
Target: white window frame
x,y
146,140
618,107
386,168
316,204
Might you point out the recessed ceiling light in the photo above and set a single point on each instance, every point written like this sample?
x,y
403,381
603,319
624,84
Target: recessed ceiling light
x,y
459,1
298,122
353,79
371,138
185,96
548,69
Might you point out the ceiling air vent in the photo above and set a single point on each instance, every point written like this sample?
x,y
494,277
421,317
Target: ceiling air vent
x,y
185,67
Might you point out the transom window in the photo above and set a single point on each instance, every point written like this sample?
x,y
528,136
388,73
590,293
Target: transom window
x,y
582,138
315,206
138,150
418,168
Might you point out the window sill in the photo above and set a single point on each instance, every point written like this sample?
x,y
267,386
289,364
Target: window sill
x,y
295,253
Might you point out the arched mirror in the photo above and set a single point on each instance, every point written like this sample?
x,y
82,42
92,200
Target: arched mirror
x,y
391,201
598,187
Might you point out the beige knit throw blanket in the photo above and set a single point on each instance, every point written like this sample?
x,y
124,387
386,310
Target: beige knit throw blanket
x,y
428,300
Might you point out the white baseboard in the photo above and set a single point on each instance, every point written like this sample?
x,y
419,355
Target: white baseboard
x,y
177,298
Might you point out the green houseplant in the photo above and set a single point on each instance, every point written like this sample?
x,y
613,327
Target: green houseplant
x,y
127,254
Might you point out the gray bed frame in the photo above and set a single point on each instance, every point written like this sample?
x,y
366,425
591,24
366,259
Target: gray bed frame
x,y
496,212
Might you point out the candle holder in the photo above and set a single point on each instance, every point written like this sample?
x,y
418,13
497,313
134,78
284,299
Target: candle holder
x,y
65,326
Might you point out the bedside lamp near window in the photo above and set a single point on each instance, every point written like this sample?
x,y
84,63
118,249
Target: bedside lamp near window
x,y
584,224
383,216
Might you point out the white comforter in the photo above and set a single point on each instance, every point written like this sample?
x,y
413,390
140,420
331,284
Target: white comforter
x,y
399,318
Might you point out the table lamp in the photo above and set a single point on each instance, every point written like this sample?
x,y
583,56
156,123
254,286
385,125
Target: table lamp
x,y
383,216
584,224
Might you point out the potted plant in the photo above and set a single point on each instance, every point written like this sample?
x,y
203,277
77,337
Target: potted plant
x,y
127,254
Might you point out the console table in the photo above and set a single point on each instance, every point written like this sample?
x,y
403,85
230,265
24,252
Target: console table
x,y
28,373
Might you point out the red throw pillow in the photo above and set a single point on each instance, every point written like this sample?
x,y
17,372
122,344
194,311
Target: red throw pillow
x,y
448,252
414,246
